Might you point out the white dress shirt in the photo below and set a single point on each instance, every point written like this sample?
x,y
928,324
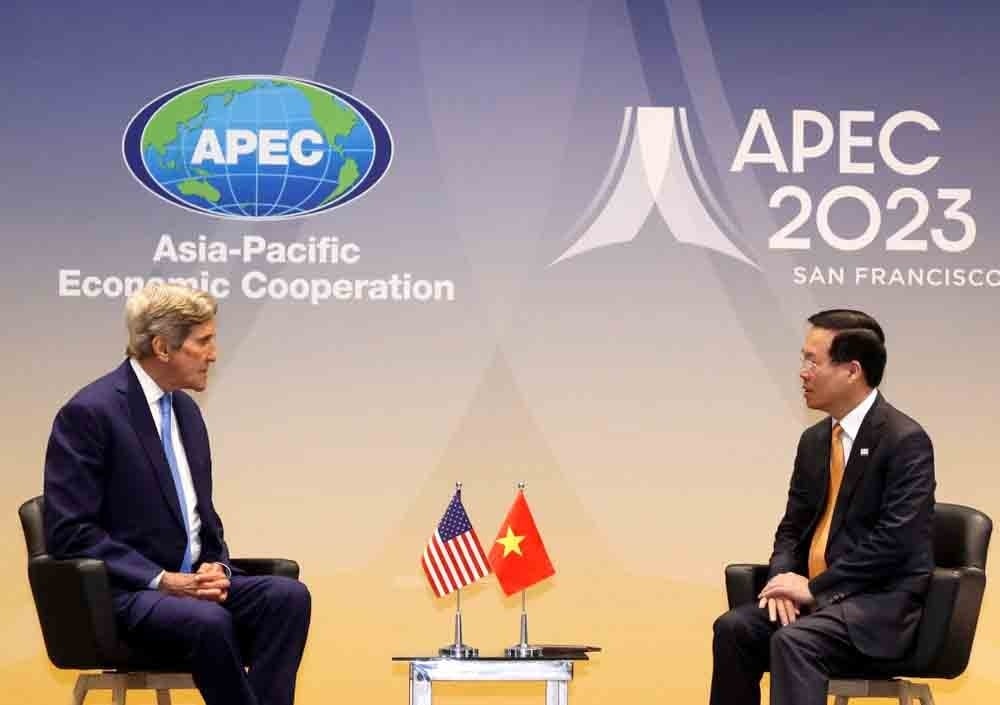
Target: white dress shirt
x,y
189,506
851,423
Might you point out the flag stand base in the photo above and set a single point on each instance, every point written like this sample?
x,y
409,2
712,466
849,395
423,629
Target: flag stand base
x,y
458,651
523,651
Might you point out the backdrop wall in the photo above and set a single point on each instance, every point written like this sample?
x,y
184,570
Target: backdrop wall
x,y
644,385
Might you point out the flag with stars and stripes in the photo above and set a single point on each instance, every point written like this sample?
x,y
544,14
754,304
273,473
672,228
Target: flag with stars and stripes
x,y
454,557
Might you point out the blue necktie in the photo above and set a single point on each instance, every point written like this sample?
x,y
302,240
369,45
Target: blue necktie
x,y
166,435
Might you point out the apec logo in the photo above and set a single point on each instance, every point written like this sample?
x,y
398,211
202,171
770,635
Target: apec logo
x,y
257,147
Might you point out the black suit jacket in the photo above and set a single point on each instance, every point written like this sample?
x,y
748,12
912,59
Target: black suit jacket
x,y
880,549
109,493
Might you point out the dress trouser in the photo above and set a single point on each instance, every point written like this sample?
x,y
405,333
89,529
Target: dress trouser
x,y
262,625
801,656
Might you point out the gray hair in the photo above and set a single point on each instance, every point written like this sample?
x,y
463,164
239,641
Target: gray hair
x,y
166,310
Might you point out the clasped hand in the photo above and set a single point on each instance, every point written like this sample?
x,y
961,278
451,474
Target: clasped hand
x,y
209,583
784,596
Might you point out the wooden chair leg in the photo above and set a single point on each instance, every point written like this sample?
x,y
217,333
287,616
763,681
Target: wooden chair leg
x,y
923,693
901,690
118,691
905,694
80,689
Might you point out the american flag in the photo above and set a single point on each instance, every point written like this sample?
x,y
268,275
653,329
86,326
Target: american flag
x,y
453,557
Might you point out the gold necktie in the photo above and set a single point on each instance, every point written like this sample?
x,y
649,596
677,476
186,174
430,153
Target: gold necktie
x,y
817,549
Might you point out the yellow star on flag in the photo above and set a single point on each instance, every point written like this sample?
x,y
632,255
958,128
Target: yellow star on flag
x,y
511,543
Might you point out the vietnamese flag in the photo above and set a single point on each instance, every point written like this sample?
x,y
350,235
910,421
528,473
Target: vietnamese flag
x,y
518,555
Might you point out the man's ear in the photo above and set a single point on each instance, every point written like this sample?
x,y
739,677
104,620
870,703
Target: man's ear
x,y
160,349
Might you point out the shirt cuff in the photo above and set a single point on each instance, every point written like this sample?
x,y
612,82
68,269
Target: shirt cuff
x,y
226,569
154,584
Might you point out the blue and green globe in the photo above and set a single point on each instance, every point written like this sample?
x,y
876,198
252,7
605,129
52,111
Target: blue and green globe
x,y
257,147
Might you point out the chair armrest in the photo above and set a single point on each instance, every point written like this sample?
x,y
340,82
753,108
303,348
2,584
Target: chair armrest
x,y
744,581
267,566
73,601
948,623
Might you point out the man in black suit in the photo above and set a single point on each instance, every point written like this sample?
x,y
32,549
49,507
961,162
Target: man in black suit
x,y
853,553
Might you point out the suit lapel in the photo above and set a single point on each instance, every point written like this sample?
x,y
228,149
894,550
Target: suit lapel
x,y
145,429
869,435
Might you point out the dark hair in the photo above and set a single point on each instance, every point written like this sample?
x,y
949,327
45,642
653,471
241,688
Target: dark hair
x,y
858,337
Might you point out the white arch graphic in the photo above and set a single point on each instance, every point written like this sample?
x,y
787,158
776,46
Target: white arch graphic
x,y
654,175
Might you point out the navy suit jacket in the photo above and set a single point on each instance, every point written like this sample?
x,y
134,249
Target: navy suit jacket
x,y
880,548
109,494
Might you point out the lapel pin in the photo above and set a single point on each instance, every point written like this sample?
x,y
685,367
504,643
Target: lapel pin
x,y
864,452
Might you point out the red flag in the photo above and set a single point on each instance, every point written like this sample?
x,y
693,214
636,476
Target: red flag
x,y
518,555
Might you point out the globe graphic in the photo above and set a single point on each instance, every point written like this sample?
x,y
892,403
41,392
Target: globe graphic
x,y
226,177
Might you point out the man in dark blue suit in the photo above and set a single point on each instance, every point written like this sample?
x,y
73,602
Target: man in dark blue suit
x,y
853,553
128,480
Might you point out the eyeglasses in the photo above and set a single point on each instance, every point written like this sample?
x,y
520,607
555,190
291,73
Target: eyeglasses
x,y
810,366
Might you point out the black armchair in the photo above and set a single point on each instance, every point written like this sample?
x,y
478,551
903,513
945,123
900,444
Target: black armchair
x,y
73,601
951,610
